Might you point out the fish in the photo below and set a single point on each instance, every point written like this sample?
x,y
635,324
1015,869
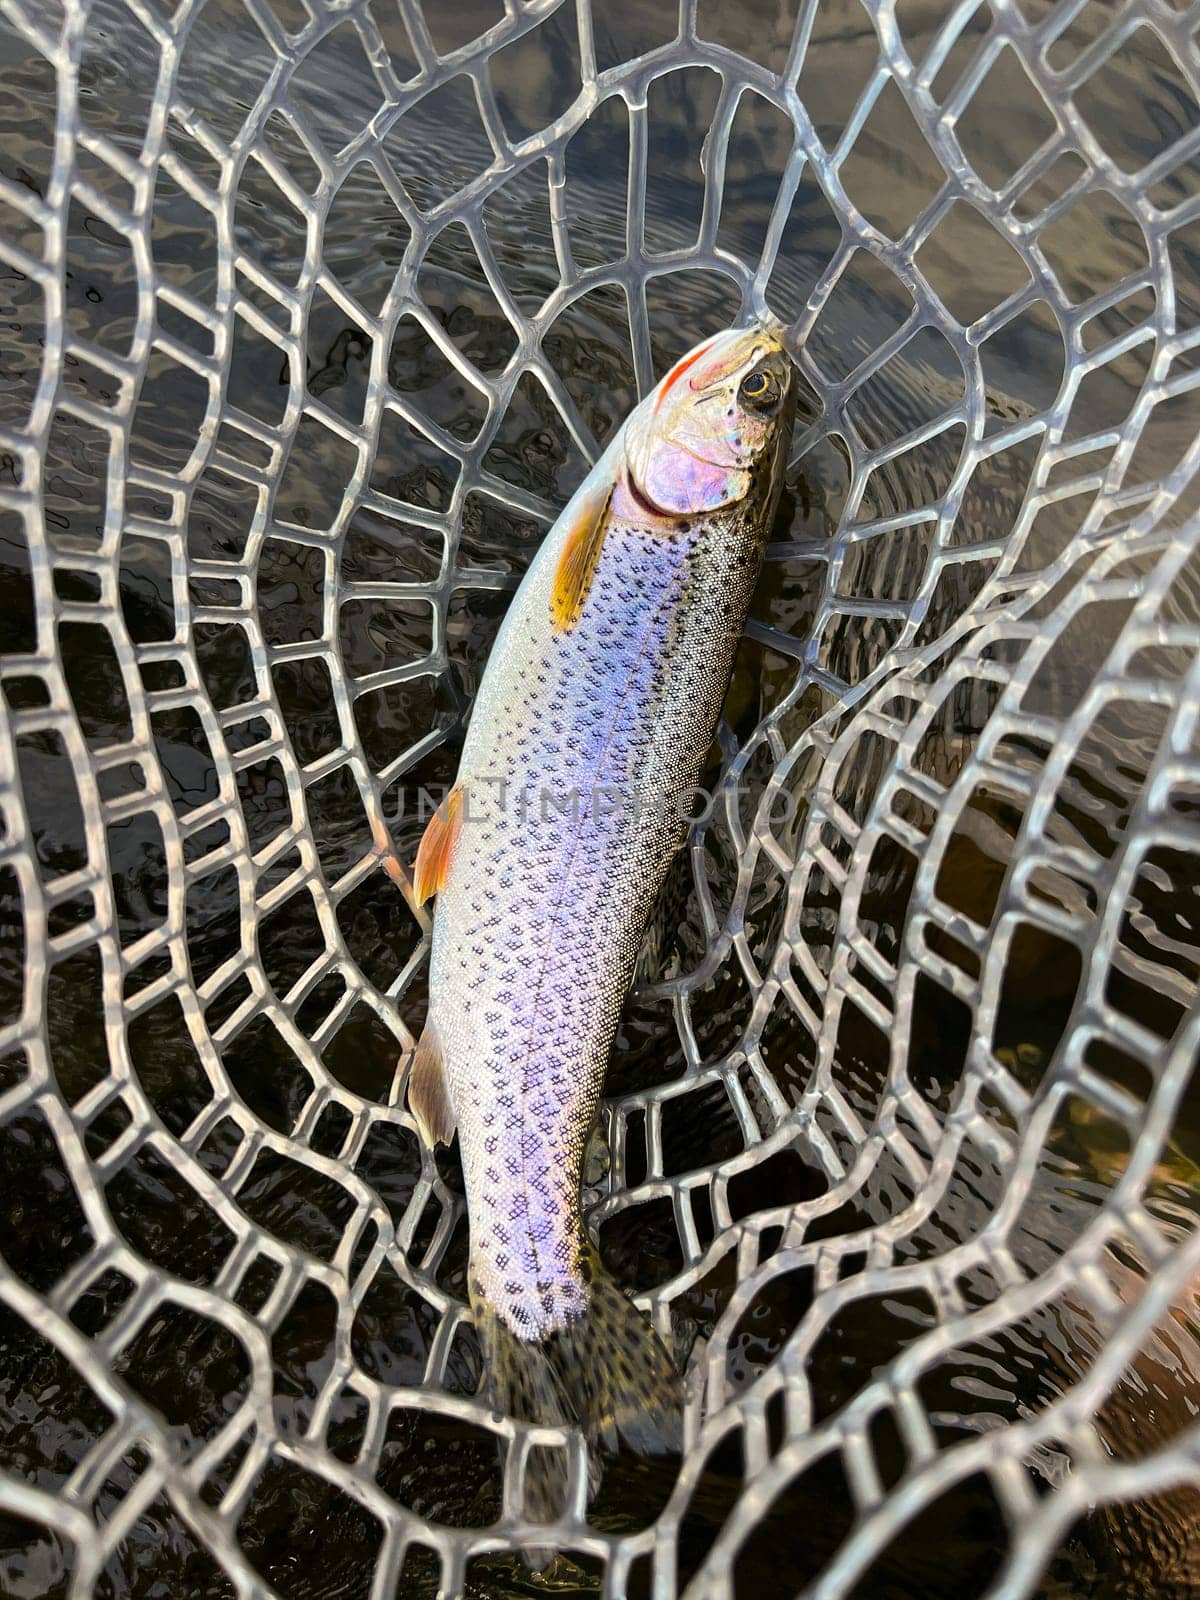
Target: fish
x,y
594,715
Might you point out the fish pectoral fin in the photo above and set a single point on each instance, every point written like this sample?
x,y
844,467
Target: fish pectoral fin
x,y
432,865
580,553
428,1093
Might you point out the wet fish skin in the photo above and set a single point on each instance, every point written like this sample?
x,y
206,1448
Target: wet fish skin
x,y
594,716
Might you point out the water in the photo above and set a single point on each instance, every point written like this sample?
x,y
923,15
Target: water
x,y
304,1536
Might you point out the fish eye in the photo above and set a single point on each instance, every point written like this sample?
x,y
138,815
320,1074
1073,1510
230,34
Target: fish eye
x,y
758,389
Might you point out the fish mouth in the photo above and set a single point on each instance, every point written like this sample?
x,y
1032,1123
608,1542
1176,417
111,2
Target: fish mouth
x,y
706,367
714,359
735,348
772,326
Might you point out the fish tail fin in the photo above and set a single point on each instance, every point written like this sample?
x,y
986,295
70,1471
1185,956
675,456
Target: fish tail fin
x,y
621,1380
606,1372
520,1379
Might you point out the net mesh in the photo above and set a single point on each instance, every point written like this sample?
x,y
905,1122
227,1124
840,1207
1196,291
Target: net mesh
x,y
314,316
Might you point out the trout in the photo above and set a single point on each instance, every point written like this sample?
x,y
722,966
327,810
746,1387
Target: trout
x,y
595,713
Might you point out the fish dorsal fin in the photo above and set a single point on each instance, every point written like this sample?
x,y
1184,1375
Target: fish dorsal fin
x,y
437,846
580,553
428,1095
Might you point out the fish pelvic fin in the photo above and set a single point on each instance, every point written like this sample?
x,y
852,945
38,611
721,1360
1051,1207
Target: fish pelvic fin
x,y
605,1372
428,1092
580,554
385,851
436,849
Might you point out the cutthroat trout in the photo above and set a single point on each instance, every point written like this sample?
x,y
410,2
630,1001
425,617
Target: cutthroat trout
x,y
595,712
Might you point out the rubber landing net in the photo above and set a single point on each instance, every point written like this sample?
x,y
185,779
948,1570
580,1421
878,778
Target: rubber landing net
x,y
313,315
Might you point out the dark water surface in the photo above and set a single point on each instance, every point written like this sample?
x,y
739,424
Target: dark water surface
x,y
305,1537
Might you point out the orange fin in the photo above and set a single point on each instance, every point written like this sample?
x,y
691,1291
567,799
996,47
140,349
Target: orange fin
x,y
428,1096
577,564
385,850
437,847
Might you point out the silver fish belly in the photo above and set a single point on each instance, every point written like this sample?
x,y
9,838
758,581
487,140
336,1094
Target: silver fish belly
x,y
595,714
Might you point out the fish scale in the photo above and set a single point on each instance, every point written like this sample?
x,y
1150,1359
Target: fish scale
x,y
584,744
525,1043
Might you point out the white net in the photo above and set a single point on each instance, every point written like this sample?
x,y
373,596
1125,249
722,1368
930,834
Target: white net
x,y
313,316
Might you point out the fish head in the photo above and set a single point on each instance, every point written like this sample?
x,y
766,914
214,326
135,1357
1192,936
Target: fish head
x,y
712,430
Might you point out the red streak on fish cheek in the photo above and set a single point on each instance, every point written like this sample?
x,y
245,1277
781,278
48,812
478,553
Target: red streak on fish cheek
x,y
678,370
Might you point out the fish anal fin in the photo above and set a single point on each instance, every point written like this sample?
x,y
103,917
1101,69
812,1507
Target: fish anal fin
x,y
580,553
434,853
428,1093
